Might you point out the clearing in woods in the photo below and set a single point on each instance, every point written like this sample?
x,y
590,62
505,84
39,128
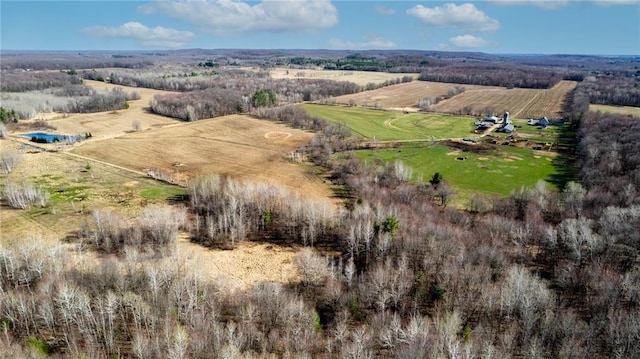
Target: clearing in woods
x,y
493,171
623,110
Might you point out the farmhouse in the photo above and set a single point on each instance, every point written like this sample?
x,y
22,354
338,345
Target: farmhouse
x,y
542,123
486,123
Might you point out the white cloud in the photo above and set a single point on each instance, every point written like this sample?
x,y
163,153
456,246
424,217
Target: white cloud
x,y
145,36
545,4
464,16
383,10
467,42
225,17
373,42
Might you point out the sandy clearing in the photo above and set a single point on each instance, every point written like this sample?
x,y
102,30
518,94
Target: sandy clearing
x,y
241,268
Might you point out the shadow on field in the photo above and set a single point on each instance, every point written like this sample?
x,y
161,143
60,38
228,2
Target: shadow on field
x,y
565,163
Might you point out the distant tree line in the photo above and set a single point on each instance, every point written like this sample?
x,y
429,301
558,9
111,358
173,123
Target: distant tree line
x,y
611,90
35,80
242,82
223,98
196,105
26,93
492,75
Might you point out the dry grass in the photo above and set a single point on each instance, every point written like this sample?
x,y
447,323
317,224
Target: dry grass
x,y
403,96
236,145
521,103
359,77
244,266
623,110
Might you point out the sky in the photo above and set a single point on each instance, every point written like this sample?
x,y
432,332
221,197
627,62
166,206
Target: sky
x,y
589,27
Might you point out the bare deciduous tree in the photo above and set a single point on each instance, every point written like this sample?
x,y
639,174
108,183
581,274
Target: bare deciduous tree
x,y
24,195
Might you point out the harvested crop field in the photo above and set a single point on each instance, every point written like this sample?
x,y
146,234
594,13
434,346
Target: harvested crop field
x,y
521,103
402,96
235,145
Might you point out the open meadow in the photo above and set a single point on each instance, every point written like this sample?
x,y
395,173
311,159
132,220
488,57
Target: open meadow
x,y
236,145
383,125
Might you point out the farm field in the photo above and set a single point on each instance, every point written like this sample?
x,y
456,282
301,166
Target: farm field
x,y
402,96
497,171
624,110
394,125
235,145
361,78
521,103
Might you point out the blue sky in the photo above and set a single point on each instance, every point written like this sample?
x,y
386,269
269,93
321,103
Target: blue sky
x,y
608,27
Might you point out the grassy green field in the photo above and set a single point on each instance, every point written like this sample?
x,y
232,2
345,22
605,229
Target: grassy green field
x,y
496,172
493,172
394,125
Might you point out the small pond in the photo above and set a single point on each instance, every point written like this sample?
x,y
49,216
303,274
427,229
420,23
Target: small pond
x,y
41,137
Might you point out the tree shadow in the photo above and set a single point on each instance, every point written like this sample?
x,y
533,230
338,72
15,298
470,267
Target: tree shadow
x,y
565,164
